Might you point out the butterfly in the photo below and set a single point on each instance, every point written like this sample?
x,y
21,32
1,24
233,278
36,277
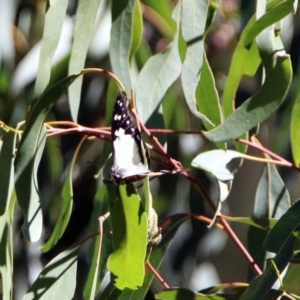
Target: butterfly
x,y
130,154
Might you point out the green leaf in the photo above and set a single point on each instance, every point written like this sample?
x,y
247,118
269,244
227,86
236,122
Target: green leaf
x,y
111,292
27,190
7,155
295,125
244,61
194,14
98,253
84,27
162,11
137,28
52,30
6,251
261,223
185,294
67,198
28,149
272,200
121,40
280,240
258,107
215,162
169,228
160,71
208,99
275,14
129,223
58,278
7,149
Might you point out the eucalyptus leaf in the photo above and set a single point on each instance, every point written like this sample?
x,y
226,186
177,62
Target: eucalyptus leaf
x,y
259,107
7,200
129,224
122,41
280,240
295,125
276,13
67,198
160,71
7,155
169,228
215,162
58,278
193,14
52,30
84,27
26,161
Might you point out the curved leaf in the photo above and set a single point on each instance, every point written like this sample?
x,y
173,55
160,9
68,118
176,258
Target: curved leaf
x,y
100,248
7,202
7,154
27,190
193,14
295,125
244,61
160,71
27,151
280,240
67,198
259,107
137,28
182,293
163,14
215,162
272,198
85,18
121,41
169,227
262,223
53,27
207,97
58,279
271,201
275,14
129,223
98,252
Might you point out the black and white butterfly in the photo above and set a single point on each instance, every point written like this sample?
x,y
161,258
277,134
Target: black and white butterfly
x,y
130,155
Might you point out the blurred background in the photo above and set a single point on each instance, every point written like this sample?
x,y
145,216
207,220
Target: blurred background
x,y
198,257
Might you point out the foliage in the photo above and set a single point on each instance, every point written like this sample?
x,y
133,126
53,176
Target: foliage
x,y
57,207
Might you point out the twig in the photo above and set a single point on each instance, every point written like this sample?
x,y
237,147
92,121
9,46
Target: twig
x,y
156,274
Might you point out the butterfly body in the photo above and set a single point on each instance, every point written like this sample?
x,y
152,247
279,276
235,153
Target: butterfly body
x,y
131,159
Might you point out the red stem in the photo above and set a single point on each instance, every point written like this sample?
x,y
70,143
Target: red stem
x,y
156,274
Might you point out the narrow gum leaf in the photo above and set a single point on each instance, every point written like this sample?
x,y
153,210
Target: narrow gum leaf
x,y
53,27
160,71
85,19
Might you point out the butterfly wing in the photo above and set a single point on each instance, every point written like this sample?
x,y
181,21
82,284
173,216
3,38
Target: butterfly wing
x,y
131,161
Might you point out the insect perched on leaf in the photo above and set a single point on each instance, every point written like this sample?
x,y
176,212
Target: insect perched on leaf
x,y
130,154
131,158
